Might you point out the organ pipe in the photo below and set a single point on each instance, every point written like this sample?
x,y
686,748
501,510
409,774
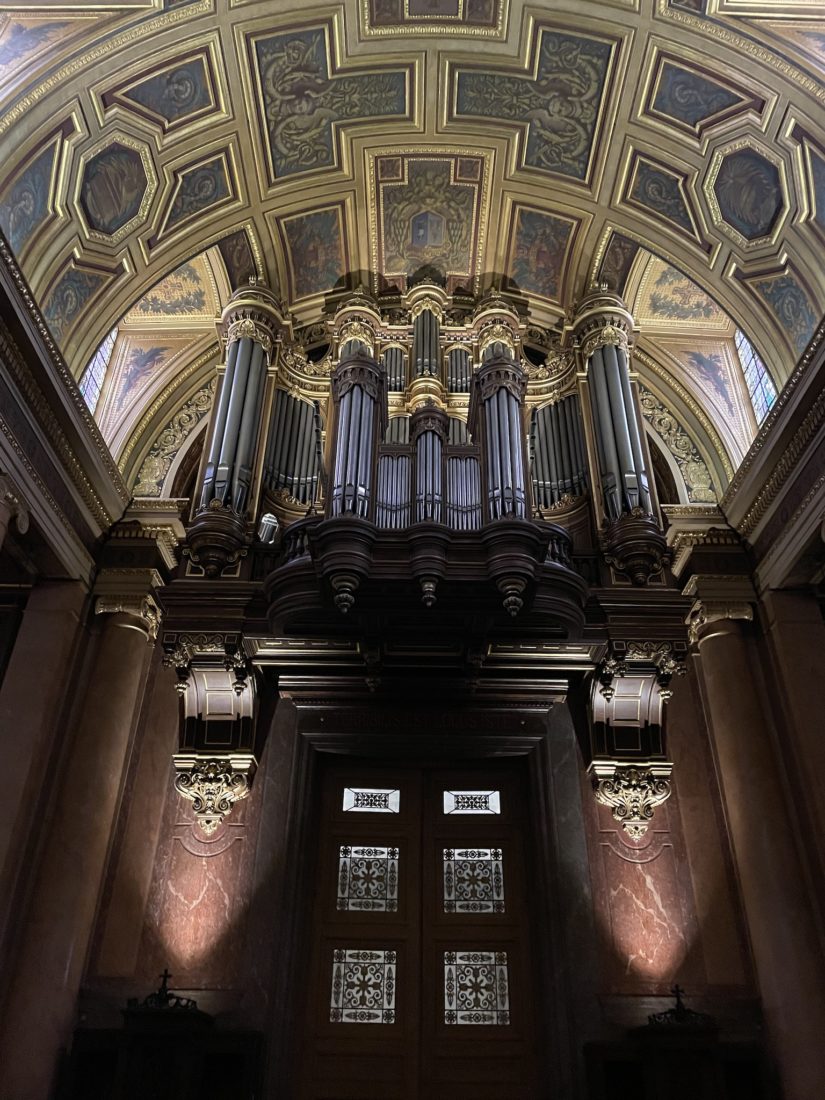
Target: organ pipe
x,y
558,465
251,321
495,414
360,400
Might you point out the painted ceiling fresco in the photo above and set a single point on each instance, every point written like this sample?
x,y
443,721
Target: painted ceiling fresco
x,y
533,147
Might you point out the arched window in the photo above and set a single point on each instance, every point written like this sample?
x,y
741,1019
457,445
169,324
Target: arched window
x,y
760,384
91,381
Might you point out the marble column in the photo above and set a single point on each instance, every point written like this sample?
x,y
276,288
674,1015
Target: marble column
x,y
31,703
51,953
795,633
787,949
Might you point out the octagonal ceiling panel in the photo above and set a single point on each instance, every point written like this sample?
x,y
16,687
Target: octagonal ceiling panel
x,y
116,187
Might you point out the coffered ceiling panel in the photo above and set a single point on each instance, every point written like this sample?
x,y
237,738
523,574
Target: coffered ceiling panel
x,y
533,147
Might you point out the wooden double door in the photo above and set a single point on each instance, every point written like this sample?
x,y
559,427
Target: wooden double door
x,y
419,978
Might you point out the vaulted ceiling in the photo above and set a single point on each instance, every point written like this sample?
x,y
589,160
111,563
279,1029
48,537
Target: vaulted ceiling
x,y
319,146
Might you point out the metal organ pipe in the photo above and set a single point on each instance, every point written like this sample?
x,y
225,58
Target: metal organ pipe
x,y
426,351
559,467
624,476
248,431
208,489
499,388
359,394
635,437
612,481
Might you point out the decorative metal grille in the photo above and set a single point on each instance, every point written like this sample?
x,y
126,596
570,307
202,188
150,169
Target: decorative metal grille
x,y
372,800
473,880
363,987
476,987
472,802
368,878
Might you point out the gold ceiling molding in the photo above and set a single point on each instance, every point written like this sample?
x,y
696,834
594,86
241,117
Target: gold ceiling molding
x,y
418,25
746,45
125,38
719,450
784,467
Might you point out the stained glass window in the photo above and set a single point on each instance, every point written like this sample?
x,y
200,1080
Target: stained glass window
x,y
372,800
472,802
91,381
760,384
368,878
363,987
473,880
476,987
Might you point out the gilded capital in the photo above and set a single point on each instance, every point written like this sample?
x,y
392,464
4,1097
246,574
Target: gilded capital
x,y
142,608
601,319
253,312
704,613
130,592
213,784
632,791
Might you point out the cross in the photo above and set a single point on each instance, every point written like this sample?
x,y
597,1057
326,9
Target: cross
x,y
677,992
164,980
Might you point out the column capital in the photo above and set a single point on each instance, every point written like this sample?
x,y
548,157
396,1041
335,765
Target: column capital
x,y
253,312
600,319
717,598
130,592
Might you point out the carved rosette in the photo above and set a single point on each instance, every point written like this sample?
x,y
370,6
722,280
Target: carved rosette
x,y
632,791
213,784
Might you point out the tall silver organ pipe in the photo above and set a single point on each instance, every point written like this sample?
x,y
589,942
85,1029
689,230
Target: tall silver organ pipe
x,y
360,398
428,431
557,452
426,351
398,430
395,368
459,370
293,448
499,386
251,322
625,484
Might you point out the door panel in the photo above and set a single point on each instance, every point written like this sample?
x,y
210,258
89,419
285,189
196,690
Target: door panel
x,y
419,980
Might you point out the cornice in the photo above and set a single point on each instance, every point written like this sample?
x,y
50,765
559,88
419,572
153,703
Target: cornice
x,y
792,452
40,405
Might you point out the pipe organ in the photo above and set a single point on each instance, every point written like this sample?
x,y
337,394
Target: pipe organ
x,y
429,413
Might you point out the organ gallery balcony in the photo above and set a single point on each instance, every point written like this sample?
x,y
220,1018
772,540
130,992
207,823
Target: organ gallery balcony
x,y
346,573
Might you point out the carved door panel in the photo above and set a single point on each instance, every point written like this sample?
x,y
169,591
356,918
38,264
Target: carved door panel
x,y
419,981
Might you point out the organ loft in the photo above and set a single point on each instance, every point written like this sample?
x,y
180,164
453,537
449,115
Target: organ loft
x,y
412,550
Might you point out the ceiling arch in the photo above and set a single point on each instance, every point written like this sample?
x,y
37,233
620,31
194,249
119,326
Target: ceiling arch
x,y
527,146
